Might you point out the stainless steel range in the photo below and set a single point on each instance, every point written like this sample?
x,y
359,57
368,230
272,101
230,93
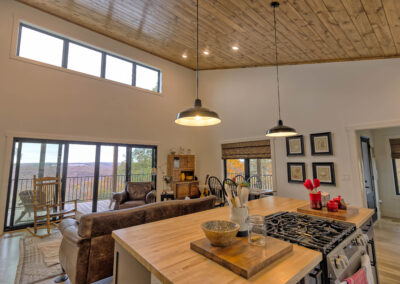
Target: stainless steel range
x,y
340,243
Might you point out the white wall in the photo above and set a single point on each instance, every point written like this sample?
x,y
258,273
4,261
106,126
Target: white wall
x,y
387,194
315,98
46,102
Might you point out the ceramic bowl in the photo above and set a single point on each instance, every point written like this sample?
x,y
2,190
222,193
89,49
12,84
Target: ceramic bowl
x,y
219,232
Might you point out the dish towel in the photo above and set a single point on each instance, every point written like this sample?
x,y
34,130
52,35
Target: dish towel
x,y
360,277
366,264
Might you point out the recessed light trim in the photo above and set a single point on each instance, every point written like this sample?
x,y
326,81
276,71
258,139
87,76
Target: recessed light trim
x,y
206,52
184,56
235,47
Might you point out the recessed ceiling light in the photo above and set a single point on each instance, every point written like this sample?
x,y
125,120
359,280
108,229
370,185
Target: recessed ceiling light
x,y
184,56
206,52
235,47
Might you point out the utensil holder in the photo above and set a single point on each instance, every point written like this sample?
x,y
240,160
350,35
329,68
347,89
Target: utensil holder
x,y
239,216
315,201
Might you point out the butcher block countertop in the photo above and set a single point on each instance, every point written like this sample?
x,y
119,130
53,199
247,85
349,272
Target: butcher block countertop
x,y
163,247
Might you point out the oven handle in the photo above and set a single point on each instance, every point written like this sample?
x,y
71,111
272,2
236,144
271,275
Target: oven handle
x,y
316,275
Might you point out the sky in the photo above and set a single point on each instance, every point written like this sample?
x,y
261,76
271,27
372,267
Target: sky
x,y
78,153
49,49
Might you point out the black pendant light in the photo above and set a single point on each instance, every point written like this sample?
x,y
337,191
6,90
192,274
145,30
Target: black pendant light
x,y
197,115
280,130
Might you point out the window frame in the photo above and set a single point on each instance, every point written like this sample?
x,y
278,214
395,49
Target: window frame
x,y
104,54
11,193
396,180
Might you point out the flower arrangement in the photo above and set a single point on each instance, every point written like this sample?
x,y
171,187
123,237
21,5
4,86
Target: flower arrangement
x,y
315,194
313,188
245,184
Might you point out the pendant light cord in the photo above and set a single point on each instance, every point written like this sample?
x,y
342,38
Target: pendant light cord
x,y
276,60
197,50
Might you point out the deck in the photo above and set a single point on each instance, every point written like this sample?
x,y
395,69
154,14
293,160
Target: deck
x,y
83,208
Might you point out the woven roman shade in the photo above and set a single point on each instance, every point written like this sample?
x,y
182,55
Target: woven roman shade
x,y
247,150
395,147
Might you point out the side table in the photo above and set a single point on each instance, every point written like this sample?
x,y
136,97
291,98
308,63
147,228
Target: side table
x,y
167,196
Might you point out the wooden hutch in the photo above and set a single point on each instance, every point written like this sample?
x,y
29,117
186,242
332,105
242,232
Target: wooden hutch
x,y
182,170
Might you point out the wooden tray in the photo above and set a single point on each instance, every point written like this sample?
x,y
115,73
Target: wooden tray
x,y
341,215
241,257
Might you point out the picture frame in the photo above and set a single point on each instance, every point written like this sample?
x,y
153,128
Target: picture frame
x,y
295,145
321,144
325,172
296,172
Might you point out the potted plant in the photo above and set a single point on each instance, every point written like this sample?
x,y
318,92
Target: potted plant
x,y
315,194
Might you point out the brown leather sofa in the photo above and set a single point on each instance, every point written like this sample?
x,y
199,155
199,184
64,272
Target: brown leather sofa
x,y
87,248
135,194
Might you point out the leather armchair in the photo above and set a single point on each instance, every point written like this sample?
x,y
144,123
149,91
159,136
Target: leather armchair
x,y
135,194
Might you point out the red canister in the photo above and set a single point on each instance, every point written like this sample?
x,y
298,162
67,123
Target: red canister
x,y
315,200
332,206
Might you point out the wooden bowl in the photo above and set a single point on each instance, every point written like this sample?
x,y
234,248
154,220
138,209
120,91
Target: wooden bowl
x,y
219,232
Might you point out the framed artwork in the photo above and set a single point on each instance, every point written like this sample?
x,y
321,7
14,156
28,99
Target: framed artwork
x,y
295,145
325,172
296,172
321,144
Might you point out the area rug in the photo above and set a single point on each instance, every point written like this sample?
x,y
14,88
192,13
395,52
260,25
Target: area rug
x,y
38,259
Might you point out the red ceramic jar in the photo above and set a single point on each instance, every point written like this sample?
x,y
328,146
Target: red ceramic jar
x,y
332,206
315,200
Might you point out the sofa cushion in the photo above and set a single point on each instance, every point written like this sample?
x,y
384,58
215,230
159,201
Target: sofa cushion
x,y
130,204
138,190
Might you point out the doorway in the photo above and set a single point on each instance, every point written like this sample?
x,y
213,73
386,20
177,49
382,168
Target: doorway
x,y
90,172
369,185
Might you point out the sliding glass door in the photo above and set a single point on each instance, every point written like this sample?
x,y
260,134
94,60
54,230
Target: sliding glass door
x,y
90,173
257,171
29,159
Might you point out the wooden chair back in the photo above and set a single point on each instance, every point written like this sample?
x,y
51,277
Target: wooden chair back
x,y
46,192
230,184
216,189
239,179
255,182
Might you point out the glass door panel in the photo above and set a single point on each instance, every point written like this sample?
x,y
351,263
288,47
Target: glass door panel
x,y
80,176
30,159
107,177
141,165
235,169
262,168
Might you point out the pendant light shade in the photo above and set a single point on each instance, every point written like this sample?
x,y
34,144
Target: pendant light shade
x,y
280,130
197,115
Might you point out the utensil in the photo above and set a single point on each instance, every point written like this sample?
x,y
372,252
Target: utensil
x,y
228,196
244,196
238,190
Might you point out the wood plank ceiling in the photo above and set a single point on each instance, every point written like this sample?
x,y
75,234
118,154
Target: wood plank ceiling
x,y
309,31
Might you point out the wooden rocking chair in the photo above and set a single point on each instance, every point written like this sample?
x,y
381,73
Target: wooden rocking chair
x,y
47,199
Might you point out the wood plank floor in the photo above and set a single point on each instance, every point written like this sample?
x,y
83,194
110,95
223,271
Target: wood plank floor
x,y
387,241
387,238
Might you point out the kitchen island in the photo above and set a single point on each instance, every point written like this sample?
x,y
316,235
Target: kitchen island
x,y
162,249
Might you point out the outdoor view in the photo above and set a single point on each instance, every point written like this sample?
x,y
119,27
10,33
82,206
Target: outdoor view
x,y
260,169
43,159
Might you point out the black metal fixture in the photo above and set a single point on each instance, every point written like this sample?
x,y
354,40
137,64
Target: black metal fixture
x,y
197,115
280,130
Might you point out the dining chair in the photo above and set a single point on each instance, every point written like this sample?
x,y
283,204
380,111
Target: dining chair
x,y
216,188
230,184
255,182
239,179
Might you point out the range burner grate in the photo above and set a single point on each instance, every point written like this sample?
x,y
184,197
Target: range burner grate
x,y
309,231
